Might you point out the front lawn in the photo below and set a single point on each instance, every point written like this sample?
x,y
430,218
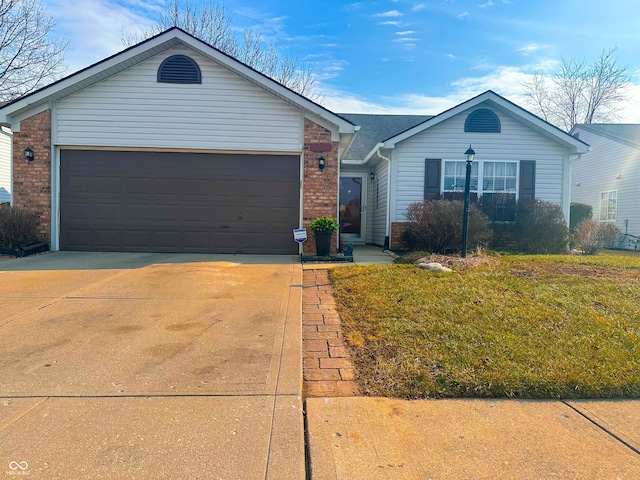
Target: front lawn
x,y
515,326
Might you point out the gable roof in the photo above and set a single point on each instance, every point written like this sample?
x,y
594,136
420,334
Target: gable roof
x,y
374,128
149,48
491,98
626,133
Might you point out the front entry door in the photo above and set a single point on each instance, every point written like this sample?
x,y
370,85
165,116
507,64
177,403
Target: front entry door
x,y
352,195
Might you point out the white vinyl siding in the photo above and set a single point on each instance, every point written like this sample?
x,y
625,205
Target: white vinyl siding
x,y
5,166
449,141
379,204
610,165
225,112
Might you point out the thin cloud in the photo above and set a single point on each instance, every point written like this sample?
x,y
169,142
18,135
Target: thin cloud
x,y
418,7
405,39
389,14
450,56
462,16
353,6
531,48
485,5
406,32
393,23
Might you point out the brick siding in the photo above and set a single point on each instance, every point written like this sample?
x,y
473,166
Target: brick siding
x,y
32,180
320,188
397,229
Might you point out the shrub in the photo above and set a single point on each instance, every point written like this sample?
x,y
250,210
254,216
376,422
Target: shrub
x,y
436,226
321,224
578,213
592,236
540,227
18,227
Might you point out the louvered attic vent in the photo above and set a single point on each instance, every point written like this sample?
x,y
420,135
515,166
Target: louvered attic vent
x,y
483,121
179,69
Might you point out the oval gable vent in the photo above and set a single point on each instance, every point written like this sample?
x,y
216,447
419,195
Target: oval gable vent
x,y
483,121
179,69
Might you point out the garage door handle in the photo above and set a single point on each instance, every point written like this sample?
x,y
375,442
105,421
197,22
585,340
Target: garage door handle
x,y
239,216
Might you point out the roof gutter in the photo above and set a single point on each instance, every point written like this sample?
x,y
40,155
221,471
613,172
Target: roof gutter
x,y
388,221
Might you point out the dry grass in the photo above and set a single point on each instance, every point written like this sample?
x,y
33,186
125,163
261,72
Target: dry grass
x,y
512,326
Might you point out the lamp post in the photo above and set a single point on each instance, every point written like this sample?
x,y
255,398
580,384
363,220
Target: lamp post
x,y
467,186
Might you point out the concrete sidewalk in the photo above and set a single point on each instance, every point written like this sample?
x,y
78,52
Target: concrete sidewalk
x,y
378,438
146,366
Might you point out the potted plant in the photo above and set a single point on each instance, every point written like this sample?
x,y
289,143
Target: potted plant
x,y
323,228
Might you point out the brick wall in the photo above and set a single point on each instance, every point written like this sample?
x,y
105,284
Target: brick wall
x,y
32,180
397,228
320,188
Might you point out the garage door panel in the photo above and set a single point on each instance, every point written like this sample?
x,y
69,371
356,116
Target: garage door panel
x,y
196,214
226,189
197,188
137,212
78,184
167,187
76,238
223,215
106,212
178,202
138,186
281,215
111,185
106,238
76,211
167,240
136,238
167,214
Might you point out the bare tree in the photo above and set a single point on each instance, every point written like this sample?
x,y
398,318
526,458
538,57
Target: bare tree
x,y
213,23
578,92
29,56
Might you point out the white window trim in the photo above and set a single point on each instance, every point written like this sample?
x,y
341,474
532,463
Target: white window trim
x,y
480,163
615,213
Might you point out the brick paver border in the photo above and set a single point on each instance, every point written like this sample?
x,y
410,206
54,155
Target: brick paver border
x,y
328,371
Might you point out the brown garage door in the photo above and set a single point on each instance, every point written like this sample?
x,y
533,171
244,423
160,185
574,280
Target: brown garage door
x,y
178,202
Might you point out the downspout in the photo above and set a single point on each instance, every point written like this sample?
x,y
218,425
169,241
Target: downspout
x,y
388,222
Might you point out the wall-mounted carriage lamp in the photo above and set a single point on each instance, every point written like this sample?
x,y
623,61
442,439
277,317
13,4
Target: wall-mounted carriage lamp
x,y
372,177
321,163
29,155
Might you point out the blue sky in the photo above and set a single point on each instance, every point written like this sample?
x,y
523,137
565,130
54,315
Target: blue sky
x,y
398,56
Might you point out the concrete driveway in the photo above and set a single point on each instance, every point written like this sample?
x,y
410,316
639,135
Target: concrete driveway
x,y
151,366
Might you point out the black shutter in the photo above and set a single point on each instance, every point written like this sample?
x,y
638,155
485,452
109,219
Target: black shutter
x,y
527,179
432,179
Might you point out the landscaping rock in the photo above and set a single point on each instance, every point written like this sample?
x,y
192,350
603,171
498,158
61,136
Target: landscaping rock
x,y
437,267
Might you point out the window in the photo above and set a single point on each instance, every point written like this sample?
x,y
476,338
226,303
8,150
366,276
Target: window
x,y
455,176
493,186
482,121
179,69
608,206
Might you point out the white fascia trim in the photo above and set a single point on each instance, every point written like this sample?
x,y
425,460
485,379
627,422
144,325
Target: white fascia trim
x,y
526,117
373,152
122,61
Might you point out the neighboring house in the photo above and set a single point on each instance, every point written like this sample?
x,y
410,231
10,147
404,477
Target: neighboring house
x,y
518,155
173,146
5,165
607,177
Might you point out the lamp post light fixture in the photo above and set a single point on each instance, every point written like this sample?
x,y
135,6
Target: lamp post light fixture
x,y
321,163
467,187
29,155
